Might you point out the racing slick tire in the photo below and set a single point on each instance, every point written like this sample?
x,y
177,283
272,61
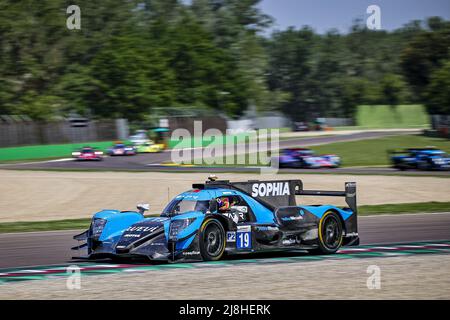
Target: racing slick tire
x,y
330,234
212,240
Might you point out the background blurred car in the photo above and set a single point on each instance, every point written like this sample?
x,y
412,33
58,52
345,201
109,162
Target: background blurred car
x,y
140,137
305,158
121,149
300,126
150,147
88,154
420,158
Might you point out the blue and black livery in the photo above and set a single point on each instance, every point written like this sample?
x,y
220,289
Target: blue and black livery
x,y
420,158
261,216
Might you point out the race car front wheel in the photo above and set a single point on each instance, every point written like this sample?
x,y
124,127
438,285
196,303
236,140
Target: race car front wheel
x,y
330,232
212,240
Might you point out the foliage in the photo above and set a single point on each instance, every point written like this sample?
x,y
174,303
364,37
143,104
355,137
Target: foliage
x,y
131,58
438,91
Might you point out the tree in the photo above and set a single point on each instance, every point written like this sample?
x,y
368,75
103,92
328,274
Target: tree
x,y
290,71
393,89
425,53
438,91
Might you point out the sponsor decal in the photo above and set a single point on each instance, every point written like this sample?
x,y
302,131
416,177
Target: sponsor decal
x,y
240,209
160,219
268,228
191,253
231,236
352,234
157,243
141,229
235,216
292,218
349,185
132,235
270,189
246,228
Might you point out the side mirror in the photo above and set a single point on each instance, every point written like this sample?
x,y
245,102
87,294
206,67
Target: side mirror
x,y
142,207
213,205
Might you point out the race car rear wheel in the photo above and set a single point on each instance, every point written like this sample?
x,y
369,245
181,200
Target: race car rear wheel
x,y
212,240
330,232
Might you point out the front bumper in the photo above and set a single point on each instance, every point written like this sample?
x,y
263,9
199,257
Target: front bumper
x,y
155,249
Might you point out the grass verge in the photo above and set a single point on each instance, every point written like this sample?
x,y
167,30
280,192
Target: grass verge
x,y
27,226
73,224
374,152
54,151
399,208
368,152
43,152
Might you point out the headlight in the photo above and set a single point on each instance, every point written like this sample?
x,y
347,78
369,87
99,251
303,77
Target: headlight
x,y
76,153
176,226
99,153
97,227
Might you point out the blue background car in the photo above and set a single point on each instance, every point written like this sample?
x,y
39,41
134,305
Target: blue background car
x,y
219,217
420,158
121,149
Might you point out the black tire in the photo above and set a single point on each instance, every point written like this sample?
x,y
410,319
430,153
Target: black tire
x,y
212,240
330,233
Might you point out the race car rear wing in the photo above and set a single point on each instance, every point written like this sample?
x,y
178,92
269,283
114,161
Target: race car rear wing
x,y
349,194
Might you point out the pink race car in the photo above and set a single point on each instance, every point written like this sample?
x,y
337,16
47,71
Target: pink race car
x,y
88,154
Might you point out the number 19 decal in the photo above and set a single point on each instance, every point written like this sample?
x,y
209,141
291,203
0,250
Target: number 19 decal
x,y
244,240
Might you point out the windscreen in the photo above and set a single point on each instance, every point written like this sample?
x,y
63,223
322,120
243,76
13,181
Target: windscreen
x,y
180,206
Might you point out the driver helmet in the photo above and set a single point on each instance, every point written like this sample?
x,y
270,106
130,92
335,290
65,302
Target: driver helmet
x,y
223,203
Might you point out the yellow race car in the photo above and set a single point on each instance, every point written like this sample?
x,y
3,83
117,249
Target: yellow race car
x,y
150,147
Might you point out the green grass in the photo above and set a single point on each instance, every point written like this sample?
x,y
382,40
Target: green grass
x,y
74,224
373,152
369,152
383,116
428,207
27,226
46,151
54,151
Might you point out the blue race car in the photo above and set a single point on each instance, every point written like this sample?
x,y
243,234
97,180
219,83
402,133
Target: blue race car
x,y
219,217
121,149
305,158
420,158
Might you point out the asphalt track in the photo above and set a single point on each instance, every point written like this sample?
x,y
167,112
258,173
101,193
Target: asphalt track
x,y
153,161
47,248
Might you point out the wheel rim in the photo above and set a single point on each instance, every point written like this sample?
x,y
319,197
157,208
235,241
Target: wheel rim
x,y
332,232
213,240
